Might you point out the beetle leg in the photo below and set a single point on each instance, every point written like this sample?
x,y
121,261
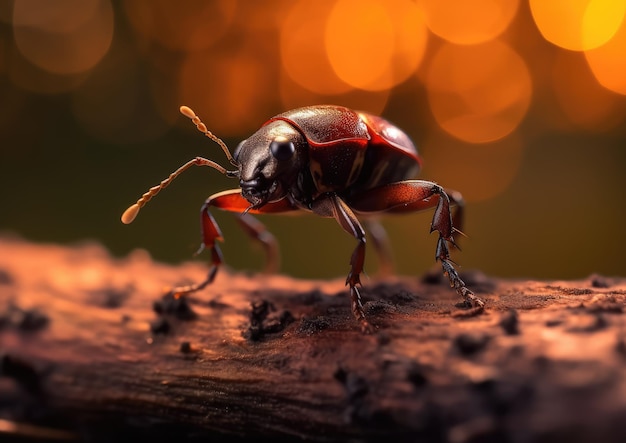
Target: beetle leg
x,y
332,206
414,195
233,201
458,211
210,234
258,232
378,234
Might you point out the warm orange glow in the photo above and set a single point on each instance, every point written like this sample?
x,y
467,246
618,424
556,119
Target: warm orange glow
x,y
229,91
469,22
189,26
608,62
294,96
578,25
478,93
63,37
302,48
375,44
481,172
359,41
583,101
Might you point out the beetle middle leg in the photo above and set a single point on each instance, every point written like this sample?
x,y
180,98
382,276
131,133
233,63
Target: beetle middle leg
x,y
379,237
333,206
258,232
415,195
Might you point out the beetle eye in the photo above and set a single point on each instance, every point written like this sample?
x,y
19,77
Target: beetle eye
x,y
282,149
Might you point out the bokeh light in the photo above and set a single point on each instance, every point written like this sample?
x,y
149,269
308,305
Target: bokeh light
x,y
469,22
478,93
65,36
375,44
608,62
578,25
302,49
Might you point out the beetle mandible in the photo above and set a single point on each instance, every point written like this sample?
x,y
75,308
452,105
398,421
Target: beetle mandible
x,y
331,161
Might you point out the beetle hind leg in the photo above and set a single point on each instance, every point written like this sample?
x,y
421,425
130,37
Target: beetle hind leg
x,y
443,223
415,195
443,255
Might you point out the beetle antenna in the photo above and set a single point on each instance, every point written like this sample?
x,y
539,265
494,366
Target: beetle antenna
x,y
129,215
188,112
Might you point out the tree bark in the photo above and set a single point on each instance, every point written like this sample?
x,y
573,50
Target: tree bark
x,y
91,350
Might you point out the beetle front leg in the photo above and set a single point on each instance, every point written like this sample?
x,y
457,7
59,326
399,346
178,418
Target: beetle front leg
x,y
333,206
232,201
210,234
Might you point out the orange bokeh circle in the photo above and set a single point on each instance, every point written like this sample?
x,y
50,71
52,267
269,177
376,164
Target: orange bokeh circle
x,y
302,49
478,93
608,62
469,22
375,44
578,25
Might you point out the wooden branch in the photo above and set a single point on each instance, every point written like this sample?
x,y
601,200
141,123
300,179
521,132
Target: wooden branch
x,y
89,349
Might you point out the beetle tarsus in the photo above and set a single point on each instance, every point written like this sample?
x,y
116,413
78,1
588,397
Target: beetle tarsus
x,y
181,291
443,223
358,311
455,280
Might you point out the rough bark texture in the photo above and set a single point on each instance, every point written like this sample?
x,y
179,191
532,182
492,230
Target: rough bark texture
x,y
90,349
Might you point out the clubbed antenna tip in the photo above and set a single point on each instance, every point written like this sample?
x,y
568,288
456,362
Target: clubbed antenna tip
x,y
187,112
130,214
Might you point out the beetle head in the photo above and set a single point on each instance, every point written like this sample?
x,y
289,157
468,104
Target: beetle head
x,y
269,162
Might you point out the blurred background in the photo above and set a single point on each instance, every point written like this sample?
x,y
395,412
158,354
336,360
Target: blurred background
x,y
520,105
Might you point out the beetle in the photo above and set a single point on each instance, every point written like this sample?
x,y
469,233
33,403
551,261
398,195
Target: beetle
x,y
331,161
